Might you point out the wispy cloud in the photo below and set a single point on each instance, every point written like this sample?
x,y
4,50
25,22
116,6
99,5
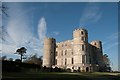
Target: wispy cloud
x,y
91,14
19,32
42,30
56,33
111,41
18,26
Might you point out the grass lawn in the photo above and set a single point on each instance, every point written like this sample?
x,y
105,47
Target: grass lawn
x,y
61,76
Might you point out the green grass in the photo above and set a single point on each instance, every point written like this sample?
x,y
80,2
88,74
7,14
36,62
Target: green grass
x,y
61,76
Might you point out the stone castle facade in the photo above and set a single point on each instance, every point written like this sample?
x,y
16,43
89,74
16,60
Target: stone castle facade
x,y
75,54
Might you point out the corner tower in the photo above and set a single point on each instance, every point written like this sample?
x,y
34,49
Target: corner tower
x,y
80,46
49,52
98,52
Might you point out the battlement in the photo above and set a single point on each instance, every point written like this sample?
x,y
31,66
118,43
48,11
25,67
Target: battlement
x,y
64,42
96,41
49,38
80,29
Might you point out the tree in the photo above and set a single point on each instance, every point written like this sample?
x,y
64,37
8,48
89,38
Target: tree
x,y
21,52
34,59
3,9
106,61
4,57
10,59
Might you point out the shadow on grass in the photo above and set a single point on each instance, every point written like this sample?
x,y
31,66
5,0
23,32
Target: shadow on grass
x,y
57,76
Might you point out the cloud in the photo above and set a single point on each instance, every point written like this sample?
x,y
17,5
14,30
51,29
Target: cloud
x,y
109,46
18,26
91,14
111,41
8,48
42,30
19,32
56,33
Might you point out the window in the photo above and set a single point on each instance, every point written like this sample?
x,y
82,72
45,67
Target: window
x,y
56,53
61,53
73,67
52,41
65,61
72,61
65,52
72,52
83,58
55,61
56,46
65,44
82,32
82,38
82,47
94,43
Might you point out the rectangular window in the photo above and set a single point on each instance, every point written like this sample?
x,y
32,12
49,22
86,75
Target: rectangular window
x,y
82,47
82,38
56,46
72,61
65,52
61,53
82,32
72,52
56,53
83,58
55,61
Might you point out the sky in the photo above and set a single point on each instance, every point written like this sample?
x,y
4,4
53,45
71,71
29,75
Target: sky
x,y
28,23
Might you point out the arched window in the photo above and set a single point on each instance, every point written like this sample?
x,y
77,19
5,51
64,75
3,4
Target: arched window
x,y
81,32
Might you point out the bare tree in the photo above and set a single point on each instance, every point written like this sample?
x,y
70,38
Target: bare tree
x,y
3,9
34,59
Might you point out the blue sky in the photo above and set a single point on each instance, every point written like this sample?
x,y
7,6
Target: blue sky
x,y
29,22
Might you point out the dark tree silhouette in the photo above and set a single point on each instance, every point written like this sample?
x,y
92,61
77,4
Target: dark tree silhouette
x,y
3,9
4,57
106,61
34,59
21,52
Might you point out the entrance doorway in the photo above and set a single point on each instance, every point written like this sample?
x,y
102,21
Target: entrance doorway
x,y
87,69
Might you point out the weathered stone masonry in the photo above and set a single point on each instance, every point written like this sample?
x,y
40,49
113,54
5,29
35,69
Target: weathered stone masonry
x,y
76,54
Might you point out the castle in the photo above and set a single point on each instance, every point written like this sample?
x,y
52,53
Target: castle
x,y
75,54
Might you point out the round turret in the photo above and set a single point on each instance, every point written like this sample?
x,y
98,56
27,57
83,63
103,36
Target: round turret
x,y
49,52
80,34
98,51
80,41
97,44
